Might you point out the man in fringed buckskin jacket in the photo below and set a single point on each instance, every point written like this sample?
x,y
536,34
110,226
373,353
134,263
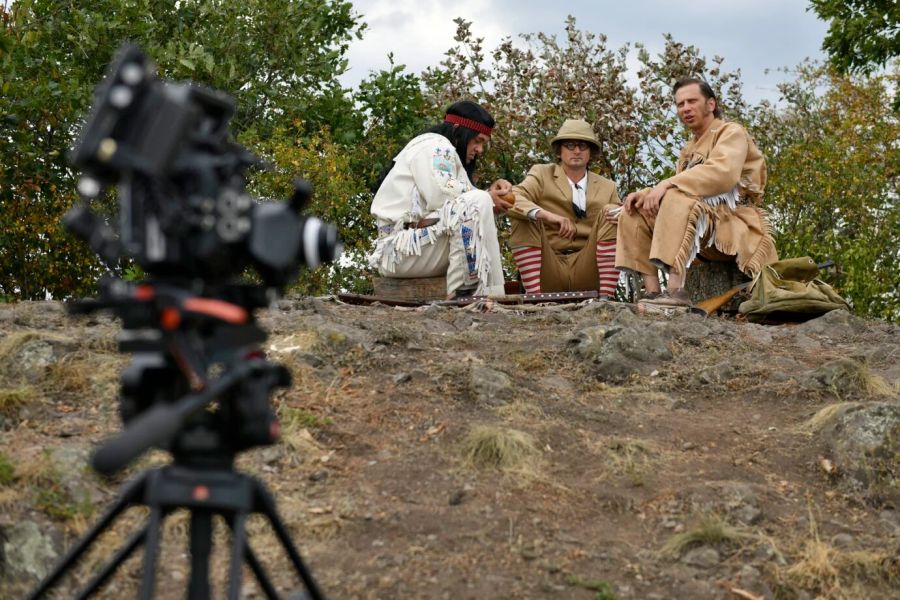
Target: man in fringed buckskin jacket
x,y
710,207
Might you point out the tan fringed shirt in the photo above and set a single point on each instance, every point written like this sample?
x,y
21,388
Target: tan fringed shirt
x,y
724,156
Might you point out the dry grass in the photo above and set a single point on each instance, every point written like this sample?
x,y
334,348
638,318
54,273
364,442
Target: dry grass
x,y
505,449
710,530
521,409
11,343
819,420
13,398
838,573
626,457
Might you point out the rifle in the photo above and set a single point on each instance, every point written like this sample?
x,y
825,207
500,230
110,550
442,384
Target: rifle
x,y
711,305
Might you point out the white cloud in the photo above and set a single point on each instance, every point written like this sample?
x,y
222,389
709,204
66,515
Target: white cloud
x,y
752,36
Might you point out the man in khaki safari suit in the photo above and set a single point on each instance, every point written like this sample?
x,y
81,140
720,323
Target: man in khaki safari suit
x,y
564,219
710,207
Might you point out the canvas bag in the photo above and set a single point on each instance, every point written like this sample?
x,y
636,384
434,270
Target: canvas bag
x,y
789,289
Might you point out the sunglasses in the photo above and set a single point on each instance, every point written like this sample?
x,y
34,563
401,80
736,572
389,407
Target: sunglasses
x,y
576,145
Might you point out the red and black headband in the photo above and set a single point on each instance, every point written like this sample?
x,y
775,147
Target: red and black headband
x,y
470,123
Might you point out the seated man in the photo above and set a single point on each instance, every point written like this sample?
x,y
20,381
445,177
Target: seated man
x,y
431,219
708,208
563,234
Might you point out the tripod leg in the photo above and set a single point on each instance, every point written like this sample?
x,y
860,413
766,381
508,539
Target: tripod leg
x,y
266,505
120,556
260,574
151,550
130,495
238,543
201,545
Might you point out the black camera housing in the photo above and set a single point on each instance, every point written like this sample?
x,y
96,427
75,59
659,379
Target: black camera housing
x,y
183,208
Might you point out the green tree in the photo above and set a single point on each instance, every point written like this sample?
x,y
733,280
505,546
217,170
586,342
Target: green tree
x,y
278,58
834,169
863,35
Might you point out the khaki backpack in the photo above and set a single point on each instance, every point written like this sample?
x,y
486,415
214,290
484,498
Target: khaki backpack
x,y
787,290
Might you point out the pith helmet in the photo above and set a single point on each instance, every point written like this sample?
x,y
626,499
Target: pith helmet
x,y
576,129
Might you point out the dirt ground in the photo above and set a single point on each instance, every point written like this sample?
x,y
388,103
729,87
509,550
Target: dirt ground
x,y
461,453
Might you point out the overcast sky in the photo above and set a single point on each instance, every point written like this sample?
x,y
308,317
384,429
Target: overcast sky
x,y
751,35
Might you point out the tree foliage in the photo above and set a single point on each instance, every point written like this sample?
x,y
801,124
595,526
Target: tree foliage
x,y
278,58
863,35
834,169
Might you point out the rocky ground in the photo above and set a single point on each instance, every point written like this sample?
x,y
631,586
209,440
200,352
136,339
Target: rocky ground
x,y
532,452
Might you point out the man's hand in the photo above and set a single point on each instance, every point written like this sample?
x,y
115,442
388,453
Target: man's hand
x,y
565,224
649,204
498,190
632,202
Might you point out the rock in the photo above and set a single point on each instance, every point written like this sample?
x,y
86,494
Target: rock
x,y
307,358
402,378
835,324
703,557
28,554
863,440
71,463
29,360
615,352
490,386
320,475
718,373
457,497
842,540
890,522
750,579
841,376
747,514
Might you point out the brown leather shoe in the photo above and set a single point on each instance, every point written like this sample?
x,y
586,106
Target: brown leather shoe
x,y
673,297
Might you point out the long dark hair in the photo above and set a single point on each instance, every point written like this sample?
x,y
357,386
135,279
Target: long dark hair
x,y
458,135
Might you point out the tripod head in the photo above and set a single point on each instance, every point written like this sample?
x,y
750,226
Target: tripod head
x,y
199,385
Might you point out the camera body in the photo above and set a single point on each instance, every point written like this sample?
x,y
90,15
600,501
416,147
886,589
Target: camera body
x,y
183,208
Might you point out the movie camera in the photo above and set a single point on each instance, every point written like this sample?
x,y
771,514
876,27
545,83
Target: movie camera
x,y
199,385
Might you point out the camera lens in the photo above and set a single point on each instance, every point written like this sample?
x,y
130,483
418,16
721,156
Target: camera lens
x,y
320,242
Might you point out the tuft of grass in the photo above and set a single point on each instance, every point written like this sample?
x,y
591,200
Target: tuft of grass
x,y
7,470
632,458
520,409
710,530
13,398
295,419
68,375
486,446
823,416
49,494
603,588
13,341
837,573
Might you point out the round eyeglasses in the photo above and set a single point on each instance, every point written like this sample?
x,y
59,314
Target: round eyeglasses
x,y
576,145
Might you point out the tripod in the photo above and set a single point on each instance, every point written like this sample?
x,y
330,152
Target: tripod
x,y
205,492
203,442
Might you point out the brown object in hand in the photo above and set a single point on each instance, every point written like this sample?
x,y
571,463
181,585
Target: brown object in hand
x,y
510,197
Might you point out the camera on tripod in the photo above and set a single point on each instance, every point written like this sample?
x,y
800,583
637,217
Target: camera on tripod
x,y
199,385
183,208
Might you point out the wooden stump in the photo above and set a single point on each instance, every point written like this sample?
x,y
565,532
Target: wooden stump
x,y
708,279
414,289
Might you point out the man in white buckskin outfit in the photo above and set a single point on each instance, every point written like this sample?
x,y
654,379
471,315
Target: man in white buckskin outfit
x,y
710,207
431,218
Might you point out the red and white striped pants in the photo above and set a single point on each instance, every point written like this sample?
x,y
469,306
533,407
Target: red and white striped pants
x,y
528,262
